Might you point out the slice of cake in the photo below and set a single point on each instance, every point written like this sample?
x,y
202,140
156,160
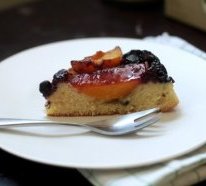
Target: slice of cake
x,y
110,83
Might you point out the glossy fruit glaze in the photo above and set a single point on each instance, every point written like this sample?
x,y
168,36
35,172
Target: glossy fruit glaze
x,y
109,75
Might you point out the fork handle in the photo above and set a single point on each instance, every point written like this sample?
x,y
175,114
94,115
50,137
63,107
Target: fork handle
x,y
16,122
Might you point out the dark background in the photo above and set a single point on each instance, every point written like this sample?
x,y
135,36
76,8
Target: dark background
x,y
41,22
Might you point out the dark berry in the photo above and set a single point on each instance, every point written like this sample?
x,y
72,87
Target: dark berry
x,y
149,57
139,56
60,76
134,56
46,88
155,70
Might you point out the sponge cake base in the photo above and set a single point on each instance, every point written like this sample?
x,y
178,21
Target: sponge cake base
x,y
67,101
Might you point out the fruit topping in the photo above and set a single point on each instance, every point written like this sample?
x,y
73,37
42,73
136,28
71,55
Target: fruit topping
x,y
109,84
155,72
46,88
60,76
139,56
100,60
109,75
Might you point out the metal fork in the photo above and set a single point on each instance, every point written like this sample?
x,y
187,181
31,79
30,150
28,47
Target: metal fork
x,y
119,125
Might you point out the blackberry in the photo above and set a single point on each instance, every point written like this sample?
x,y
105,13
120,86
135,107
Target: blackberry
x,y
139,56
46,88
134,56
60,76
156,71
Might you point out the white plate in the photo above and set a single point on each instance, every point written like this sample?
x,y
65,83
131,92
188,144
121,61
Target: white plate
x,y
179,132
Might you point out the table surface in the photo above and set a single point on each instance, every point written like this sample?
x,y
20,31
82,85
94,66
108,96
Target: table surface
x,y
41,22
